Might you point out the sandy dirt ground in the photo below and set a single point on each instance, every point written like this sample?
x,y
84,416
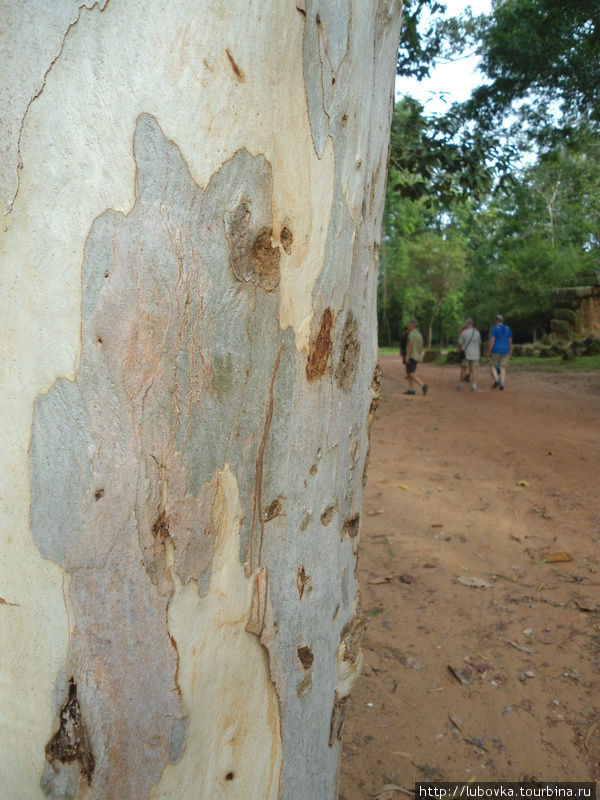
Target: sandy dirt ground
x,y
482,651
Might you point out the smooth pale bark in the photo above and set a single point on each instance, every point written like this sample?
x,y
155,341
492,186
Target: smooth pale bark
x,y
192,197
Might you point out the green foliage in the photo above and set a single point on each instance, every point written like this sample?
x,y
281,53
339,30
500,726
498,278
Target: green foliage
x,y
419,48
428,164
544,50
468,230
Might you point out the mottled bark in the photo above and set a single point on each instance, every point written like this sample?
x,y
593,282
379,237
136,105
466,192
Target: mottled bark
x,y
192,196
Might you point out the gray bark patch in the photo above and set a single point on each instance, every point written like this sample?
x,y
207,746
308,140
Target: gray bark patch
x,y
123,460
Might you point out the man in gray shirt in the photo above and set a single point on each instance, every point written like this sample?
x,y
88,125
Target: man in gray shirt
x,y
469,343
414,353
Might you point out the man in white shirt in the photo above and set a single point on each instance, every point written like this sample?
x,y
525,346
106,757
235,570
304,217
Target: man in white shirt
x,y
469,343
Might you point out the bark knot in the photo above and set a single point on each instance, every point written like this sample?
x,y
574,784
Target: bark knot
x,y
346,368
71,741
320,348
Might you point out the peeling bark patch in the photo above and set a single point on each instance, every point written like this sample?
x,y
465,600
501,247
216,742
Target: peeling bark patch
x,y
236,70
305,685
255,552
375,399
320,348
346,369
256,623
287,239
252,255
306,657
237,228
141,422
351,526
161,527
307,519
352,638
302,580
265,259
327,515
71,742
337,719
375,392
273,510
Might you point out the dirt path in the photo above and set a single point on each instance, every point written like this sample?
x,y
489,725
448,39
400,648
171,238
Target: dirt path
x,y
479,486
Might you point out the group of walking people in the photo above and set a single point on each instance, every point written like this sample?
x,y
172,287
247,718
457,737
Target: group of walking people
x,y
469,347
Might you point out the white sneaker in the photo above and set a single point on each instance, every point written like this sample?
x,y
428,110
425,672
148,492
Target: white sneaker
x,y
473,387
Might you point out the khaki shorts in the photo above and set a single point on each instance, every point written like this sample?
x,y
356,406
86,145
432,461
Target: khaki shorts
x,y
500,359
472,362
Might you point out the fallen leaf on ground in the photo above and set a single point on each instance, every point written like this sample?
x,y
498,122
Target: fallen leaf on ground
x,y
382,579
476,741
402,486
462,676
406,578
555,558
372,511
522,647
429,565
585,605
455,720
388,791
522,483
474,581
589,734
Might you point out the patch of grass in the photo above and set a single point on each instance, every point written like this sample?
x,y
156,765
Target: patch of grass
x,y
555,364
389,351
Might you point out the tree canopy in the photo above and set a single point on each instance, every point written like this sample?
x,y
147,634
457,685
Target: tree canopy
x,y
495,204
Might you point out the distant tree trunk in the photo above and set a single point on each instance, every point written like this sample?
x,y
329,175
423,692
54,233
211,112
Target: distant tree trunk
x,y
384,269
192,196
432,319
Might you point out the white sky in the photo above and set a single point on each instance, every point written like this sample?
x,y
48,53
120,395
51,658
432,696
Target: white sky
x,y
449,82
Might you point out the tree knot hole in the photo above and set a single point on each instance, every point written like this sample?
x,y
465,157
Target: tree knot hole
x,y
160,528
305,654
71,741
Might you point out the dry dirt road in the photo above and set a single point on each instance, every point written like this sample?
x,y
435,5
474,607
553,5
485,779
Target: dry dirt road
x,y
497,680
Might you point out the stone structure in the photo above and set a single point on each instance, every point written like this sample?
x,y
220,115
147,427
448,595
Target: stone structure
x,y
577,309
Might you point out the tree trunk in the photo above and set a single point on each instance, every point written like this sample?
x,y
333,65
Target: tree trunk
x,y
432,319
384,272
192,196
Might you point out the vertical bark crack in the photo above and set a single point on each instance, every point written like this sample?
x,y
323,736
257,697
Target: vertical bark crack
x,y
258,514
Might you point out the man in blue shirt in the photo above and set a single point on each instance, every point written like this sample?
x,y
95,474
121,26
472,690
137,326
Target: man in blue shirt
x,y
500,350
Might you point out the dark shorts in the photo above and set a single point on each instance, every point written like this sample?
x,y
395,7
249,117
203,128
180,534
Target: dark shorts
x,y
411,366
